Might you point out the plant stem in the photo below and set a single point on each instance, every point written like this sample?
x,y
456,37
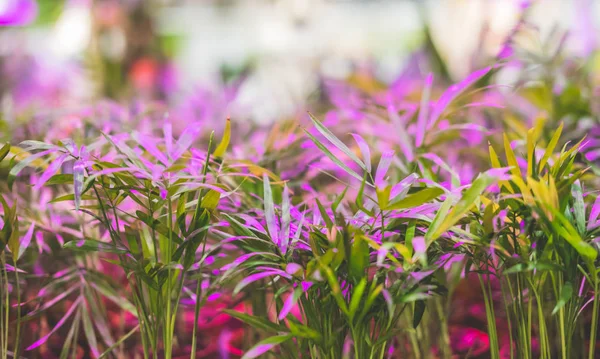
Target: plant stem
x,y
169,327
197,304
199,281
508,320
5,306
491,322
445,338
594,325
18,330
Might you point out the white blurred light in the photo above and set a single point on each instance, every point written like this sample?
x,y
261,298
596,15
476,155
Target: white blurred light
x,y
72,32
4,4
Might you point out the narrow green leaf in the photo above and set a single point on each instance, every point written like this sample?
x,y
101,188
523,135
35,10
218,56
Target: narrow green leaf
x,y
62,178
210,199
338,200
256,322
119,342
222,147
332,157
471,195
337,142
419,310
270,209
550,147
578,206
14,243
570,234
88,330
510,157
336,291
302,331
359,257
4,151
417,198
440,216
323,212
566,293
90,245
19,166
357,295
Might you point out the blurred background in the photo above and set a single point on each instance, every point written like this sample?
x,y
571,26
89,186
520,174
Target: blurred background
x,y
260,60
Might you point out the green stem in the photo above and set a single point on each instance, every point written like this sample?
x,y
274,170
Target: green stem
x,y
558,284
414,343
561,326
18,330
445,338
151,210
76,331
197,304
594,325
355,342
169,327
491,322
5,307
508,320
199,281
139,298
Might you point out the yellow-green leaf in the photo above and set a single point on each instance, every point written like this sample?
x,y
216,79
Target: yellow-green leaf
x,y
222,147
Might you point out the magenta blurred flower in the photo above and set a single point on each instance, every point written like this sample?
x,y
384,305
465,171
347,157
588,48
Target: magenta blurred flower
x,y
17,12
469,340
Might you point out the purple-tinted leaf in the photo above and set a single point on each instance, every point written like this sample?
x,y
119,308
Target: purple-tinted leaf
x,y
270,210
306,286
293,268
266,345
78,173
239,260
419,276
423,111
593,221
60,323
149,143
286,218
10,268
401,188
419,245
438,161
214,296
453,92
88,330
53,301
70,146
289,303
364,150
299,229
384,164
26,240
400,125
336,141
257,276
50,171
185,140
168,133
